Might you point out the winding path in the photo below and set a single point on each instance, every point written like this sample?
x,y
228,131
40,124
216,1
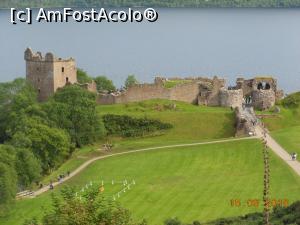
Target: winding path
x,y
87,163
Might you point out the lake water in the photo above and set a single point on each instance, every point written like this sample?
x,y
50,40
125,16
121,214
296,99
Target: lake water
x,y
183,42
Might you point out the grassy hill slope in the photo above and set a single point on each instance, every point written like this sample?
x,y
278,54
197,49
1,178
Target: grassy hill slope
x,y
191,123
188,182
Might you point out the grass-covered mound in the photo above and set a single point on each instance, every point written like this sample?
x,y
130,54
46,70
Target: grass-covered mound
x,y
190,123
173,83
191,183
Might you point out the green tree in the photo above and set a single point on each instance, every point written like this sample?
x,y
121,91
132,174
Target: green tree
x,y
83,77
92,209
130,80
104,84
8,178
14,97
80,118
28,167
50,145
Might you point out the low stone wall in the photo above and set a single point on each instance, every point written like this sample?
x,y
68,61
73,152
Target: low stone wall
x,y
143,92
187,92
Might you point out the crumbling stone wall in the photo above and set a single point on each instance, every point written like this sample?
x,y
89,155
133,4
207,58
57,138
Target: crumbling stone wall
x,y
263,99
231,98
262,90
141,92
186,92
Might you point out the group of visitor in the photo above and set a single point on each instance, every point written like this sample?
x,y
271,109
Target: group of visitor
x,y
60,179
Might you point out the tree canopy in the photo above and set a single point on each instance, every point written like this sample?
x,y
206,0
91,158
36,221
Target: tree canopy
x,y
130,80
83,77
91,209
36,138
104,84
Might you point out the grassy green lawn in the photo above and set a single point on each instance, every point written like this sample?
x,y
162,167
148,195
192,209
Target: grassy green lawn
x,y
285,119
188,182
285,128
289,138
191,123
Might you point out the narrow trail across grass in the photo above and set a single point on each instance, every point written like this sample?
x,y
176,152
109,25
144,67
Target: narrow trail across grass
x,y
87,163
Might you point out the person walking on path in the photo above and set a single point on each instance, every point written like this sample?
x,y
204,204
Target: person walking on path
x,y
294,156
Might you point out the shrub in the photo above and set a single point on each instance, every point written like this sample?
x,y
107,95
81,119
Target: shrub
x,y
127,126
292,100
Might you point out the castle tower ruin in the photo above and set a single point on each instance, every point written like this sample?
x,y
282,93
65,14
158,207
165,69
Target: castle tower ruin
x,y
49,73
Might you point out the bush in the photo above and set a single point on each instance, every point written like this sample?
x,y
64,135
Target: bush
x,y
127,126
173,221
292,100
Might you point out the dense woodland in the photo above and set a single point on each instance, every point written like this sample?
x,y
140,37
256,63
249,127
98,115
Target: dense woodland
x,y
36,138
146,3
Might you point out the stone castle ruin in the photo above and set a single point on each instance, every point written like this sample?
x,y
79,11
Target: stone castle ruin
x,y
260,92
47,74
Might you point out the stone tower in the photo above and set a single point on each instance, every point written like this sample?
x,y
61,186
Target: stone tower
x,y
49,73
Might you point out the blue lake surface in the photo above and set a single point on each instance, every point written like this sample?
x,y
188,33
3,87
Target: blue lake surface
x,y
183,42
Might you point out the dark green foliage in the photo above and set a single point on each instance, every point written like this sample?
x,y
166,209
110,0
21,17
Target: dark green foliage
x,y
292,100
50,145
130,80
173,221
14,96
28,167
8,178
32,221
38,136
152,3
83,77
92,209
104,84
127,126
74,109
